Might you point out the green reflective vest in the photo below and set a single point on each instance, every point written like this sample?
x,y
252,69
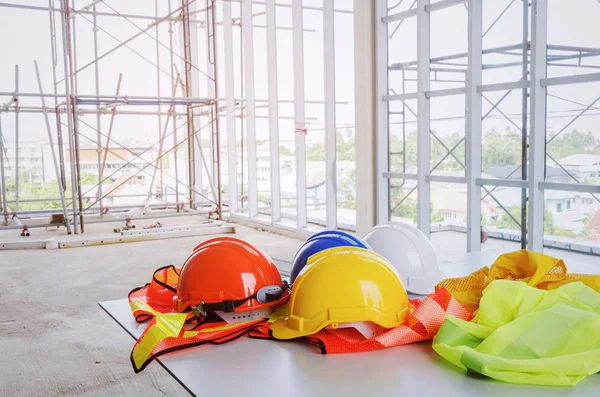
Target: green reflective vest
x,y
526,335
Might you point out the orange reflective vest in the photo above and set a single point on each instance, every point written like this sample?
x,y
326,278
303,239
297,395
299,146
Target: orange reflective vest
x,y
422,324
169,331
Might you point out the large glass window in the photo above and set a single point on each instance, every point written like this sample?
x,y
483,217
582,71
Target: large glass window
x,y
461,114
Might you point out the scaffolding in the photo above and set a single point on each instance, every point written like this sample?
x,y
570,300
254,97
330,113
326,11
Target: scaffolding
x,y
464,72
69,107
199,186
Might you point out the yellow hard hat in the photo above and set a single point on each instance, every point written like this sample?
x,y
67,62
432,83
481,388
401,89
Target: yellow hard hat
x,y
343,285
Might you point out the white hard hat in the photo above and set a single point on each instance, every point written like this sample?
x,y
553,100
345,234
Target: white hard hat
x,y
411,253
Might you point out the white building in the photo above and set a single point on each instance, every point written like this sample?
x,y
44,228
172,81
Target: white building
x,y
31,162
586,165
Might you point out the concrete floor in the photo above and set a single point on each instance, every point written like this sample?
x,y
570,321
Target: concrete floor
x,y
55,339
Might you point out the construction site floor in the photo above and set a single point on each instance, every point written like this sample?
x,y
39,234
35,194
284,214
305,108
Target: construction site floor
x,y
56,340
95,229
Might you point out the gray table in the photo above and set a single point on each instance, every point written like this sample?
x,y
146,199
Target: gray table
x,y
248,367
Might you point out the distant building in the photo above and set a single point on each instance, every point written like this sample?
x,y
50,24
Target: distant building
x,y
31,162
513,172
586,165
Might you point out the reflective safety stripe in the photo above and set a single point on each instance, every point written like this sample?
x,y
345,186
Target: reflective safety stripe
x,y
168,330
422,324
166,333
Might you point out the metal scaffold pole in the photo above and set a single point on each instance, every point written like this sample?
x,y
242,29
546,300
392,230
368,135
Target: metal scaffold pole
x,y
66,49
51,141
174,82
98,116
3,181
212,49
17,151
185,20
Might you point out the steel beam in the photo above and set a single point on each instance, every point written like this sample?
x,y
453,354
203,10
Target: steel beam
x,y
423,119
330,114
17,106
474,125
537,140
273,112
570,187
248,44
576,79
516,183
299,112
230,107
382,117
365,106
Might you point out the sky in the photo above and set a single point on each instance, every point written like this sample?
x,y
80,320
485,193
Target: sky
x,y
30,41
26,38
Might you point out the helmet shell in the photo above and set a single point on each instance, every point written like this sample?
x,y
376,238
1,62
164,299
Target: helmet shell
x,y
322,241
410,252
226,268
343,285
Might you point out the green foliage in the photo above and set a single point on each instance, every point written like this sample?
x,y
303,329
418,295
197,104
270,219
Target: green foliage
x,y
316,152
574,142
501,148
409,208
284,151
89,179
344,148
507,223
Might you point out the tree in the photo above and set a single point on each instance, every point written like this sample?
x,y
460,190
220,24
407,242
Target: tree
x,y
507,223
316,152
345,145
284,151
574,142
501,149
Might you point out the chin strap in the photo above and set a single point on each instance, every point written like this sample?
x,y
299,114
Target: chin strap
x,y
266,294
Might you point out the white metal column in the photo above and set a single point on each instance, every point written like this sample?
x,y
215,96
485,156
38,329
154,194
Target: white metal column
x,y
299,114
382,157
473,132
273,111
365,113
230,107
330,122
209,164
195,92
250,105
537,136
423,122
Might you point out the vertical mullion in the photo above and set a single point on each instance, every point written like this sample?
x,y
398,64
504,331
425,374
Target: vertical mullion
x,y
423,122
273,111
230,107
383,184
365,113
537,140
250,105
474,122
330,122
299,113
196,140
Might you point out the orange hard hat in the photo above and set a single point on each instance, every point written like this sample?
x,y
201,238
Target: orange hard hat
x,y
222,238
228,274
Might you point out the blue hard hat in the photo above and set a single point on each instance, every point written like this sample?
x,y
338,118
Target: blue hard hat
x,y
322,241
